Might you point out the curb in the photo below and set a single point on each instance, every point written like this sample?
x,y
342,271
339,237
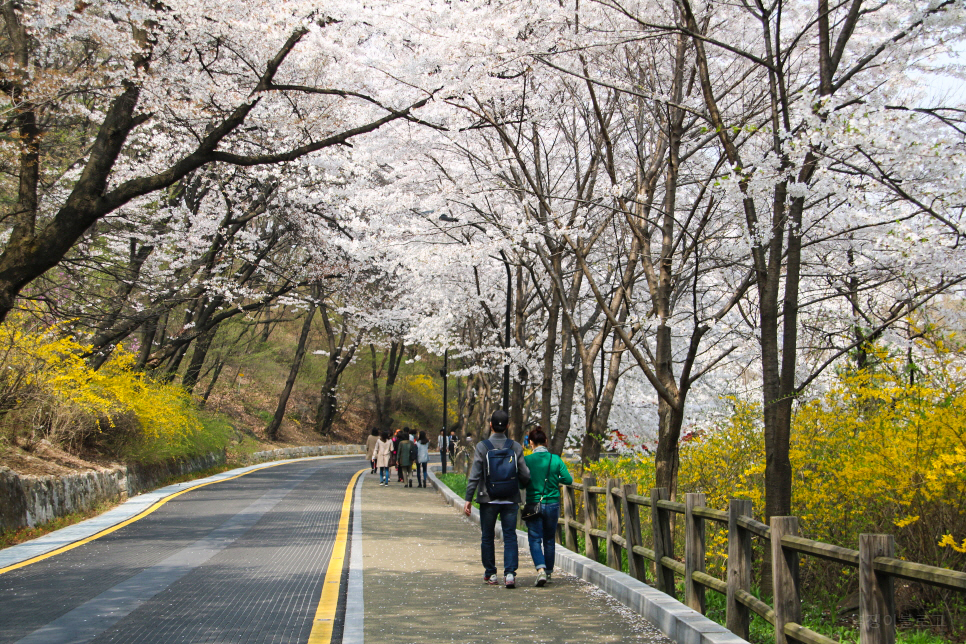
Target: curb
x,y
130,508
682,624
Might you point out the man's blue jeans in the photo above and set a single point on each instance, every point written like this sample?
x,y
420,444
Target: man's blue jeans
x,y
507,513
540,533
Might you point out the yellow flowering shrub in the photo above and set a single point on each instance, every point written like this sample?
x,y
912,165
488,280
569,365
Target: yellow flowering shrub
x,y
883,450
47,390
879,452
425,393
629,469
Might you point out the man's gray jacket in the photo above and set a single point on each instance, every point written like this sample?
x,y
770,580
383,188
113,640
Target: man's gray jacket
x,y
476,482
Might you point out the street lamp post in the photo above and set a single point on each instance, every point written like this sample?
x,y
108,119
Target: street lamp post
x,y
506,345
442,442
509,313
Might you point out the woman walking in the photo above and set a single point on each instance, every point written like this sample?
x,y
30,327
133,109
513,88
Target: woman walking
x,y
371,449
383,452
547,473
422,459
396,437
404,459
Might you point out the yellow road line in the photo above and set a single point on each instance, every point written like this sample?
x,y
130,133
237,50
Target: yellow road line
x,y
120,525
325,614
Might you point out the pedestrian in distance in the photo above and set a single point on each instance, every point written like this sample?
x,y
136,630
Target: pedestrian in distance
x,y
396,437
542,509
404,459
422,459
451,443
371,449
383,454
496,476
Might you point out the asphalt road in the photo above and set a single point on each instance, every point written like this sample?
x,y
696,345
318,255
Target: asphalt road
x,y
238,561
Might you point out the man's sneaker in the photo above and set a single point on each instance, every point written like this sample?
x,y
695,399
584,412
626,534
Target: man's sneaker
x,y
541,578
490,580
511,581
549,575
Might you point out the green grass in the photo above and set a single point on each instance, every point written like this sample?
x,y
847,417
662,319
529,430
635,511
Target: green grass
x,y
457,483
820,619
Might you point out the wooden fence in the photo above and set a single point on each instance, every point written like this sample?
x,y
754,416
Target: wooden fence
x,y
620,531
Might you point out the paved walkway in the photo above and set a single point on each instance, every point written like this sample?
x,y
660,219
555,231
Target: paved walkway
x,y
423,582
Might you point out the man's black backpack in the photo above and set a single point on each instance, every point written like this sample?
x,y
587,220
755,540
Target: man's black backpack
x,y
413,452
502,481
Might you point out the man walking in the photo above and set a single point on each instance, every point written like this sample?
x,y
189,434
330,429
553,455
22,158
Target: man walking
x,y
496,476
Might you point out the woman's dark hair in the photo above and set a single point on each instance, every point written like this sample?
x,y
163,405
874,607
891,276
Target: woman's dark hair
x,y
422,438
385,435
537,437
375,432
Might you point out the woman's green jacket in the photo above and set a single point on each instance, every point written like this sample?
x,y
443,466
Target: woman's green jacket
x,y
547,473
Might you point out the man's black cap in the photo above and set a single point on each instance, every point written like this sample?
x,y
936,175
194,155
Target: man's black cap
x,y
500,419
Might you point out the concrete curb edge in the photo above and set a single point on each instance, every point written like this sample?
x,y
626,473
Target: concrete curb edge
x,y
680,623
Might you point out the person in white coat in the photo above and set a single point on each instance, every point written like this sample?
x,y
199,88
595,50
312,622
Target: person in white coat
x,y
383,452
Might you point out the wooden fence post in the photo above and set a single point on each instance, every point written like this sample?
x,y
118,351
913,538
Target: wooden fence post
x,y
739,568
558,530
694,551
613,525
877,600
570,515
785,577
591,545
663,547
632,534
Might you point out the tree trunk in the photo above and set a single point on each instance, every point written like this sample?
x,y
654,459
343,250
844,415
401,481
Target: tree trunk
x,y
565,410
549,359
667,459
383,399
193,372
339,359
150,329
214,379
272,430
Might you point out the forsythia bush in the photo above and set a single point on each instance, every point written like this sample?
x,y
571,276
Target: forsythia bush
x,y
425,393
47,390
884,450
629,469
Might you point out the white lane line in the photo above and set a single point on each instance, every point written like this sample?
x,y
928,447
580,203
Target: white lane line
x,y
353,630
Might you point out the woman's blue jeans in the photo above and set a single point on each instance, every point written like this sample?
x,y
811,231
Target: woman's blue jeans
x,y
421,472
384,475
541,532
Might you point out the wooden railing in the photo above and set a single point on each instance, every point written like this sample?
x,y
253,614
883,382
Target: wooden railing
x,y
620,532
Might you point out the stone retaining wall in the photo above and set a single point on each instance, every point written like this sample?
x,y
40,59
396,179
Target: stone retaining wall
x,y
303,452
32,500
